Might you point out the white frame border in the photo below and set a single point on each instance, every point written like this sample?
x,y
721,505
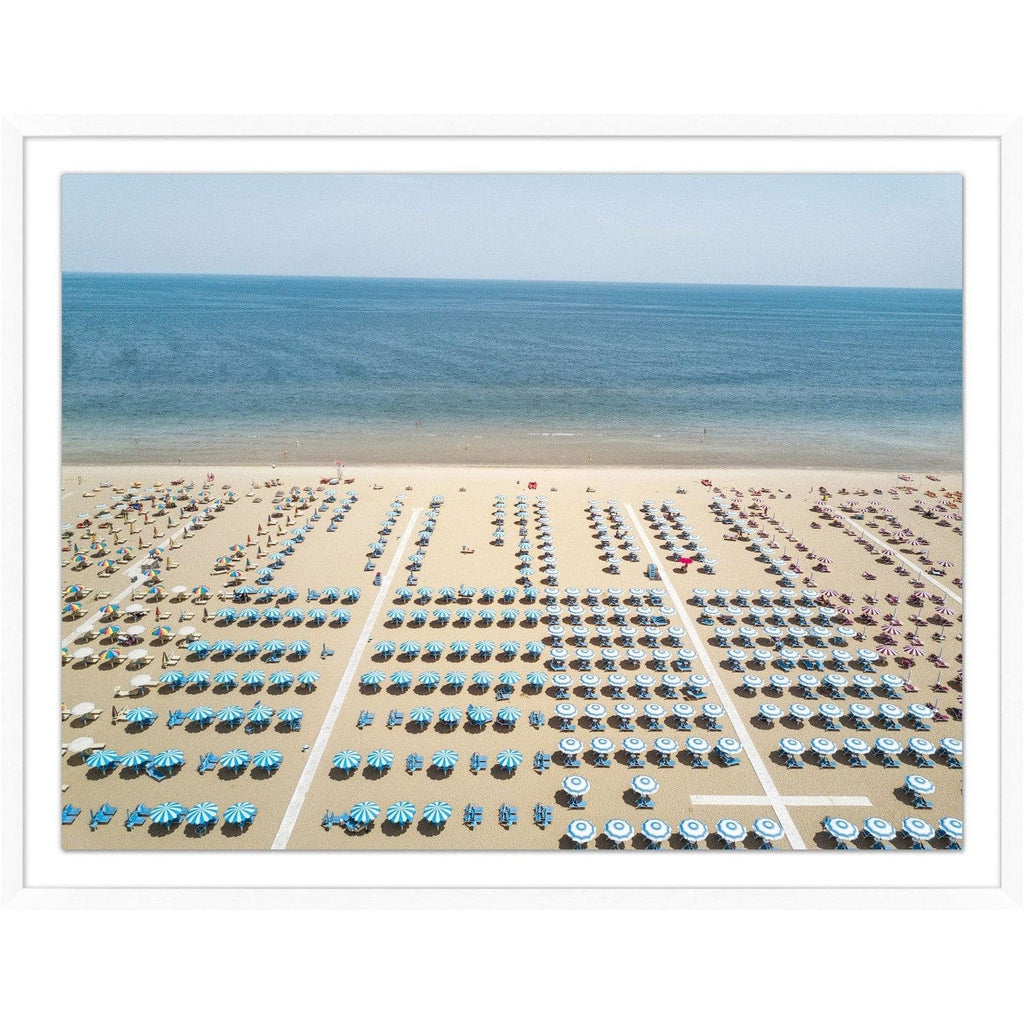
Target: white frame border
x,y
14,136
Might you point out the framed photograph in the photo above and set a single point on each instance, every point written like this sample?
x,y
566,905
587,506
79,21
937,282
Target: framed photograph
x,y
421,508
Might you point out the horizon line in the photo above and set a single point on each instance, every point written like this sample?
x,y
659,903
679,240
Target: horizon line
x,y
509,280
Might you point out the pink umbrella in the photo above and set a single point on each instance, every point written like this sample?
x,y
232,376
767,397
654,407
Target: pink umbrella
x,y
891,631
914,650
868,612
886,651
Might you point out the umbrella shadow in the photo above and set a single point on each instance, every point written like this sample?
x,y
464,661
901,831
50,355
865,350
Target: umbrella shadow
x,y
430,831
194,727
392,829
229,774
262,774
436,774
233,829
339,775
158,831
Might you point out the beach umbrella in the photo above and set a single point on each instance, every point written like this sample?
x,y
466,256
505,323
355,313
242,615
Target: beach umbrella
x,y
952,827
140,715
267,760
478,714
259,713
234,759
887,745
841,829
435,648
450,716
602,745
665,745
402,812
274,647
456,679
372,678
509,715
618,831
437,812
918,830
570,745
509,759
340,615
696,745
444,759
644,785
232,713
730,831
281,679
253,678
240,814
290,714
385,648
536,679
952,746
347,760
380,759
580,831
307,678
423,715
201,814
768,829
483,678
103,759
484,647
880,829
692,830
575,785
199,714
226,678
856,746
919,784
459,648
656,830
365,812
166,813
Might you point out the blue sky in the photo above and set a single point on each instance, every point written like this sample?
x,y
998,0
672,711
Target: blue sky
x,y
885,230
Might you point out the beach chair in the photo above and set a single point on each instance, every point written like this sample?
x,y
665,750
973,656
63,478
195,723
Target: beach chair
x,y
102,816
508,815
541,761
537,719
824,761
68,814
888,761
477,763
922,761
325,651
207,763
175,718
395,717
729,760
365,719
156,774
542,815
473,815
413,763
696,761
136,817
502,692
330,820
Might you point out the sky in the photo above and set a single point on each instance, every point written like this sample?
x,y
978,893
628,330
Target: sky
x,y
856,230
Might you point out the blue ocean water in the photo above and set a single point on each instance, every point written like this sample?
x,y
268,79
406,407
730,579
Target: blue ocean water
x,y
242,368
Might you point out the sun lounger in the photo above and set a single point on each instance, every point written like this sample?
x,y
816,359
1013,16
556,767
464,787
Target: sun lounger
x,y
395,717
508,815
541,761
413,763
175,718
473,815
102,816
888,761
729,760
542,815
537,719
136,817
207,763
477,763
365,719
329,820
68,814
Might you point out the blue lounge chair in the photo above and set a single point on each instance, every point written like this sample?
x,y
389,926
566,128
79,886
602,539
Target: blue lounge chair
x,y
175,718
537,719
68,814
824,761
888,761
477,763
541,761
414,763
542,815
136,817
330,819
508,815
365,719
102,816
502,692
729,760
207,763
697,761
473,815
155,773
395,717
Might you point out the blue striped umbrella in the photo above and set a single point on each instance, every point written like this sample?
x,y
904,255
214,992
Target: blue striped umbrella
x,y
103,759
290,714
446,592
346,760
167,813
570,745
223,647
768,829
226,678
429,679
365,812
300,647
174,678
919,784
536,678
232,713
240,813
380,759
282,679
510,759
822,745
580,831
385,647
532,616
444,759
437,812
841,829
236,759
880,829
644,785
168,759
478,714
697,745
618,831
140,715
656,830
249,648
509,716
276,647
254,678
951,745
202,713
450,716
260,713
395,615
288,593
204,813
455,678
273,615
330,594
442,614
201,677
402,812
634,745
435,648
510,648
419,616
460,648
135,758
952,827
317,615
919,745
887,745
410,648
483,678
484,647
575,785
856,746
401,678
487,616
200,648
351,594
268,760
508,678
307,678
730,830
340,615
372,678
464,615
226,614
692,830
422,715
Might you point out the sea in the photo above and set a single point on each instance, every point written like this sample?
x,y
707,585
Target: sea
x,y
319,370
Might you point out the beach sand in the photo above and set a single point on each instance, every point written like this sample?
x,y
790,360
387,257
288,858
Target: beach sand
x,y
465,519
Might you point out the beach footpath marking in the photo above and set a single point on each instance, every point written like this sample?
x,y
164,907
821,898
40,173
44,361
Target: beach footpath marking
x,y
775,799
931,580
316,753
755,800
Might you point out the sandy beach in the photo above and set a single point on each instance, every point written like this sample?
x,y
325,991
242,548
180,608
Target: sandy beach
x,y
248,515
